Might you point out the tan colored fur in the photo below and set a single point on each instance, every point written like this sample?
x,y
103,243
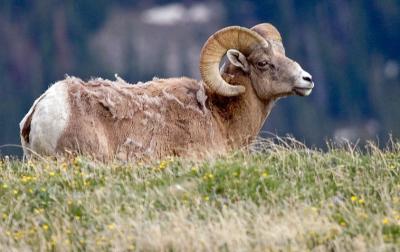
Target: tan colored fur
x,y
179,116
156,119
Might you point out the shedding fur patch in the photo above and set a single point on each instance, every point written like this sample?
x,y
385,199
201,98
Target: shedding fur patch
x,y
171,97
121,99
116,118
201,97
124,100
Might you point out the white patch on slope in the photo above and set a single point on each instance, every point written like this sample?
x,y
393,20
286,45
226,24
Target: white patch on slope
x,y
50,119
172,14
199,13
164,15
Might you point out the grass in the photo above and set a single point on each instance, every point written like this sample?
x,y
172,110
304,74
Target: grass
x,y
283,196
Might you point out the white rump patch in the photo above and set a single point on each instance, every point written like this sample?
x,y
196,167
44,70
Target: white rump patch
x,y
49,119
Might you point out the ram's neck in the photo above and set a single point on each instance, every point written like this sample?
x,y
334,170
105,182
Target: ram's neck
x,y
240,118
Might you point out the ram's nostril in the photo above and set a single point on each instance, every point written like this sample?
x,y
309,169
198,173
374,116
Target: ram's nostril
x,y
306,78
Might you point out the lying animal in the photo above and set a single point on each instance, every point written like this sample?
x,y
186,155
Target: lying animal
x,y
177,116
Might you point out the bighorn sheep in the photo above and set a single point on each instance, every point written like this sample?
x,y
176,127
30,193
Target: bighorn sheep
x,y
177,116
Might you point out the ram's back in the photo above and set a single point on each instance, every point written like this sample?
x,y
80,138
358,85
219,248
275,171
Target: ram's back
x,y
114,119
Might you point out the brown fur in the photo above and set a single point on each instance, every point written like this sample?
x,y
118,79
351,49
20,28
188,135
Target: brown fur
x,y
157,119
180,116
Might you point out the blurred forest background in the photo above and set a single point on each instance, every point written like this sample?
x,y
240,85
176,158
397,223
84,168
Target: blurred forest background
x,y
350,47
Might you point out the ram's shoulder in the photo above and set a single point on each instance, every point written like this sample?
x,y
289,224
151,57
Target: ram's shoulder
x,y
184,89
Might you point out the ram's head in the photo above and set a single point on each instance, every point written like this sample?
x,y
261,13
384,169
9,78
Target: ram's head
x,y
259,54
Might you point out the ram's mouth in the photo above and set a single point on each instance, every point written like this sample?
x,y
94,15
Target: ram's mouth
x,y
301,91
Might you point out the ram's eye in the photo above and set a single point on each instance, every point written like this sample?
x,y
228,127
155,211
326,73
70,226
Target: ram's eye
x,y
262,63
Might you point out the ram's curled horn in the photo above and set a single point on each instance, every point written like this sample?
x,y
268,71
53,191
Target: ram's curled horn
x,y
233,37
270,33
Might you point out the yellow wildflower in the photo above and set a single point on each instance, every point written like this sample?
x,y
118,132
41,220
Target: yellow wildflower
x,y
76,161
385,221
18,235
208,176
163,165
45,227
361,201
39,210
52,174
353,198
206,198
264,175
111,226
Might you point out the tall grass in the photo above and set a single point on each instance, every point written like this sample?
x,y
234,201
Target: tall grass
x,y
280,196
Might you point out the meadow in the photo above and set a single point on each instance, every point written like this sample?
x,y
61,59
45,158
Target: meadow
x,y
281,196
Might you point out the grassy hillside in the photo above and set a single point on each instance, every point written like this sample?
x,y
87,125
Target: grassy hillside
x,y
283,196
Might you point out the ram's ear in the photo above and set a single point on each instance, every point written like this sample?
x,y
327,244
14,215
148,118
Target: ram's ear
x,y
238,59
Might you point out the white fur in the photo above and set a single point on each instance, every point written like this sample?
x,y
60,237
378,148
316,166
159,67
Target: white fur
x,y
301,83
22,123
49,119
